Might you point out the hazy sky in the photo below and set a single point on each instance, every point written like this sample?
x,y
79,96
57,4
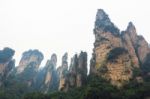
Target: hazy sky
x,y
57,26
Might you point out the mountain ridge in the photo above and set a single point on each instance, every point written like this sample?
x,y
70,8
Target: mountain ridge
x,y
118,57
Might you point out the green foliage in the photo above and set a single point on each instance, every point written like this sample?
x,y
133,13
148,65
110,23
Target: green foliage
x,y
114,53
146,65
115,31
136,72
108,27
97,88
35,95
6,54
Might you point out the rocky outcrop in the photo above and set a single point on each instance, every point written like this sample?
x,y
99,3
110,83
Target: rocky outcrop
x,y
73,71
63,73
76,76
129,38
107,37
82,70
138,47
107,42
50,81
31,57
118,67
142,49
78,70
6,63
28,67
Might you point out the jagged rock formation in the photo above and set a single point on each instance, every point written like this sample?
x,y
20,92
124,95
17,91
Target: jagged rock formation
x,y
63,73
82,70
78,70
117,57
73,71
106,38
128,44
137,47
33,57
118,67
115,54
76,76
28,66
107,43
6,63
48,78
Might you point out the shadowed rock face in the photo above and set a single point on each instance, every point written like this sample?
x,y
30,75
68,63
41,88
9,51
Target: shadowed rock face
x,y
73,71
142,48
28,67
104,24
109,42
116,57
76,76
118,67
30,57
78,70
129,39
108,39
82,70
6,63
50,81
138,47
63,73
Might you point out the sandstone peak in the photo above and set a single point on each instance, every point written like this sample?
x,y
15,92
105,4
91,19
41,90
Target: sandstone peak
x,y
101,15
6,54
50,74
64,58
103,24
6,63
30,58
102,19
131,28
33,53
54,59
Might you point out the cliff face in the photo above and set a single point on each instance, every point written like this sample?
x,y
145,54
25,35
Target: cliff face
x,y
76,76
28,66
50,81
106,38
31,57
78,70
116,55
136,45
118,67
63,73
82,70
6,63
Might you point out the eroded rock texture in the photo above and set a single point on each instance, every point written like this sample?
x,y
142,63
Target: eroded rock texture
x,y
50,77
6,63
63,73
28,67
108,42
76,76
31,57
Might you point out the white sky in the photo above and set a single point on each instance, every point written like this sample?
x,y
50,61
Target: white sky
x,y
57,26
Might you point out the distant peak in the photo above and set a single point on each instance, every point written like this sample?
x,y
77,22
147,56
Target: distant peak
x,y
101,15
130,26
54,57
102,19
104,23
